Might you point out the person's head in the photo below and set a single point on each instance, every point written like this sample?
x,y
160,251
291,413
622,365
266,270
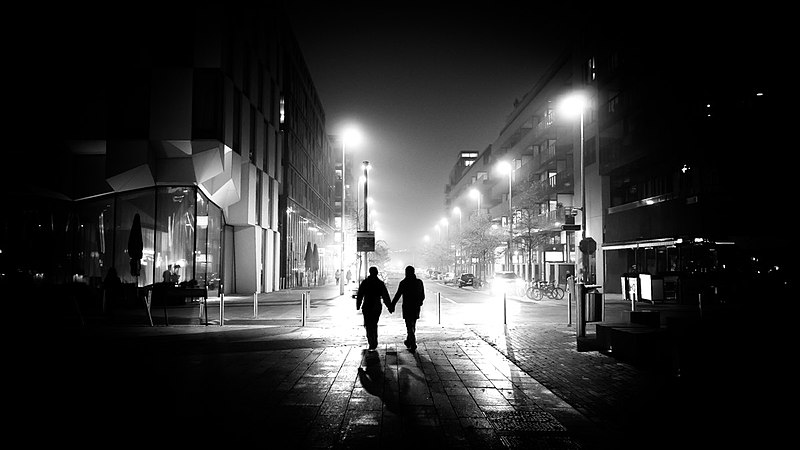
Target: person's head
x,y
409,271
373,271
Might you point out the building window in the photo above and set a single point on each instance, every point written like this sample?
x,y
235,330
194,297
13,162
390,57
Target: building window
x,y
613,104
590,73
282,104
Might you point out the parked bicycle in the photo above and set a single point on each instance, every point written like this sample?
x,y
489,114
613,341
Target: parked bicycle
x,y
540,289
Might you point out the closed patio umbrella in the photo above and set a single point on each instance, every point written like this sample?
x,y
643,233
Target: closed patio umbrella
x,y
135,253
315,262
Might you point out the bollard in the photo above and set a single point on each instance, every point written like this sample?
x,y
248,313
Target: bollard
x,y
255,305
700,303
221,306
439,306
303,310
504,307
570,299
580,310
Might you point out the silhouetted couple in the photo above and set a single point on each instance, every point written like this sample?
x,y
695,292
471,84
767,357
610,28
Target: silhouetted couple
x,y
372,290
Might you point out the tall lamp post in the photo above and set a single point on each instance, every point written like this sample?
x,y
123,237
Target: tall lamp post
x,y
365,166
476,194
446,224
457,210
575,105
352,136
505,167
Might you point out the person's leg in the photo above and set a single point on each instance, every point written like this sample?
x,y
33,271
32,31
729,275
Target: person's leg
x,y
411,329
371,325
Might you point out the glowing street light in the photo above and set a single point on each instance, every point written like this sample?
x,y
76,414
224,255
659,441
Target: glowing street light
x,y
476,194
457,210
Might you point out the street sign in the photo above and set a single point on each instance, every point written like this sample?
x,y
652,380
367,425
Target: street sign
x,y
570,228
365,241
588,245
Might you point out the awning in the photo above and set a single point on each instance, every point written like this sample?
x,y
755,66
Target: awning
x,y
662,242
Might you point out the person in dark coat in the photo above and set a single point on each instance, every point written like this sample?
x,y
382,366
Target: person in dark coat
x,y
413,293
370,292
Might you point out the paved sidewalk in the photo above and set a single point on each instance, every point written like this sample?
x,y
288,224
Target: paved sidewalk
x,y
318,387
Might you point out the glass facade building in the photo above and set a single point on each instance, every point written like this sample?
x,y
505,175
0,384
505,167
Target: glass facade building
x,y
181,232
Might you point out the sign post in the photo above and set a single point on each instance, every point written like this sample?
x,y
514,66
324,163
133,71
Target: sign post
x,y
365,241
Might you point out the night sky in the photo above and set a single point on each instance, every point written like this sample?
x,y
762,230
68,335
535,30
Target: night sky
x,y
422,83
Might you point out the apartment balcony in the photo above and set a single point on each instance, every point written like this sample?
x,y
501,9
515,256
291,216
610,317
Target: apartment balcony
x,y
552,220
560,183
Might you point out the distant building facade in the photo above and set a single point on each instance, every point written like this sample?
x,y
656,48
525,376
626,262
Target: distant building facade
x,y
663,185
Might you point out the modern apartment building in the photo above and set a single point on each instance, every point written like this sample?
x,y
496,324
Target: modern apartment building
x,y
540,150
666,120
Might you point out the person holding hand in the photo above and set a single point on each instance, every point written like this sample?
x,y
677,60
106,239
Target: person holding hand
x,y
370,292
413,293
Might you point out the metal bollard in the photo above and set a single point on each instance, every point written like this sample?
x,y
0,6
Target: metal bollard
x,y
303,310
580,305
255,305
504,308
570,299
700,303
439,306
221,307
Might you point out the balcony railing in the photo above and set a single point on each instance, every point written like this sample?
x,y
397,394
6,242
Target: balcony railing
x,y
560,182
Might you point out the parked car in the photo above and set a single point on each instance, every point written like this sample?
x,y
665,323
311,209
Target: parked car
x,y
449,278
507,282
434,274
466,279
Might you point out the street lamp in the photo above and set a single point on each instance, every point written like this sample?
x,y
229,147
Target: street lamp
x,y
366,167
353,136
572,106
457,210
476,194
505,167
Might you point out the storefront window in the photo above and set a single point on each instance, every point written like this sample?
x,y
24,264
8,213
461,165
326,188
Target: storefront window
x,y
96,238
128,205
175,234
208,247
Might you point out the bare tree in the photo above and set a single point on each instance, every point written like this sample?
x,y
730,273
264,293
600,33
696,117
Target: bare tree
x,y
437,255
530,232
380,257
481,238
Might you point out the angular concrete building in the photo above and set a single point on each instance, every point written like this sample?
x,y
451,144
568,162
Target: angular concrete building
x,y
203,122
